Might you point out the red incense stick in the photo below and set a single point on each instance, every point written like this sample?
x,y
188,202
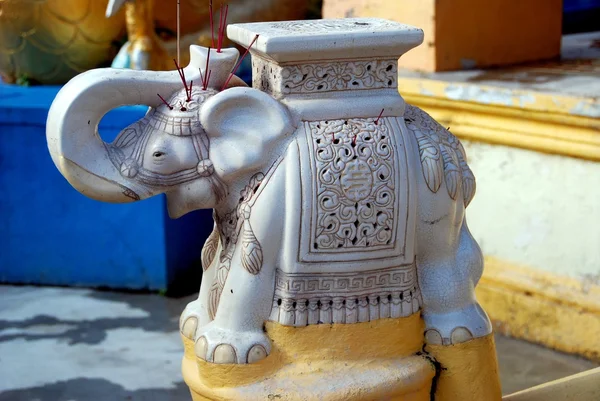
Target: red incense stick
x,y
212,24
380,114
165,102
182,76
238,63
222,25
207,79
206,71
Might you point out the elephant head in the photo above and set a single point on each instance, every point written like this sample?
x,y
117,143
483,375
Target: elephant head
x,y
193,147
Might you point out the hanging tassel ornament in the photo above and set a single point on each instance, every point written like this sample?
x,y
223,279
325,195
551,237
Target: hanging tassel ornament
x,y
252,255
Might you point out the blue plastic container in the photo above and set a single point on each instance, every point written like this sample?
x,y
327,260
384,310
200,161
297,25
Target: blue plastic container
x,y
580,5
581,16
50,234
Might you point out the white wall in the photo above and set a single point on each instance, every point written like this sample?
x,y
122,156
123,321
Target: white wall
x,y
536,209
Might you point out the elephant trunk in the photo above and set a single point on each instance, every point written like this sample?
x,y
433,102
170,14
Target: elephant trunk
x,y
72,126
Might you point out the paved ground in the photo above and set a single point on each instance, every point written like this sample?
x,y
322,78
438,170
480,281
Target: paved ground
x,y
82,345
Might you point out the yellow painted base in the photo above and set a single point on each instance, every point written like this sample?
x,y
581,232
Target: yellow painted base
x,y
419,396
469,371
558,312
354,362
406,379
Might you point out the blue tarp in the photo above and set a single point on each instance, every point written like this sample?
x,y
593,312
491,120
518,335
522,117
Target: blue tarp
x,y
51,234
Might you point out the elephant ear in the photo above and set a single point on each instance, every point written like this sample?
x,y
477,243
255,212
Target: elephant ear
x,y
246,128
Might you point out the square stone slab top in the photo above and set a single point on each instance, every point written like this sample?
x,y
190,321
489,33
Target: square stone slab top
x,y
327,39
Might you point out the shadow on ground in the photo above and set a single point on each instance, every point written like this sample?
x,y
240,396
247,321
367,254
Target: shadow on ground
x,y
163,316
84,345
94,389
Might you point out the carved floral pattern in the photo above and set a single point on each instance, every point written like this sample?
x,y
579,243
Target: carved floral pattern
x,y
324,77
440,152
354,181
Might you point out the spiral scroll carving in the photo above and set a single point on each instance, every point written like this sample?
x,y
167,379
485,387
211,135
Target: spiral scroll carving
x,y
355,184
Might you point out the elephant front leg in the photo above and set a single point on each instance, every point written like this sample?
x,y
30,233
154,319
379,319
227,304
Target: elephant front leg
x,y
196,313
448,274
236,334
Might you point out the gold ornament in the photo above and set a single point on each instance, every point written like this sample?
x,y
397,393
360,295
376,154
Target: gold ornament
x,y
50,41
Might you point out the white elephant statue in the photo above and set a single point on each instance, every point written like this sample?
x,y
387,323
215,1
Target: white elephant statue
x,y
335,202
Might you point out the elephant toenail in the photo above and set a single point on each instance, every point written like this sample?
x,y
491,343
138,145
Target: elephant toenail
x,y
201,348
433,336
189,327
257,353
461,335
224,353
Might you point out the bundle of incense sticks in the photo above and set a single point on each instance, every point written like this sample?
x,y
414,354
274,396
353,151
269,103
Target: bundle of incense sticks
x,y
205,78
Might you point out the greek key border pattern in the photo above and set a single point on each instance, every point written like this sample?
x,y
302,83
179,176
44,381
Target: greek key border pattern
x,y
307,285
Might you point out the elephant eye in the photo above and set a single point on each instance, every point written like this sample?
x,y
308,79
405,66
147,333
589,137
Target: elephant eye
x,y
158,154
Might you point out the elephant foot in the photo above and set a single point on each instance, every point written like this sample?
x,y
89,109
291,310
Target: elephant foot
x,y
458,335
190,319
456,326
218,345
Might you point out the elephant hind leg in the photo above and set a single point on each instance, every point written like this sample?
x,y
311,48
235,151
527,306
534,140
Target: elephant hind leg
x,y
449,270
457,326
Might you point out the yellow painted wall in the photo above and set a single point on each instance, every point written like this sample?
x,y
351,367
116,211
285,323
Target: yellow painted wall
x,y
545,308
475,33
418,13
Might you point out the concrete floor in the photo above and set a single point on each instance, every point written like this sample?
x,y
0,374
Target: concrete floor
x,y
61,344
